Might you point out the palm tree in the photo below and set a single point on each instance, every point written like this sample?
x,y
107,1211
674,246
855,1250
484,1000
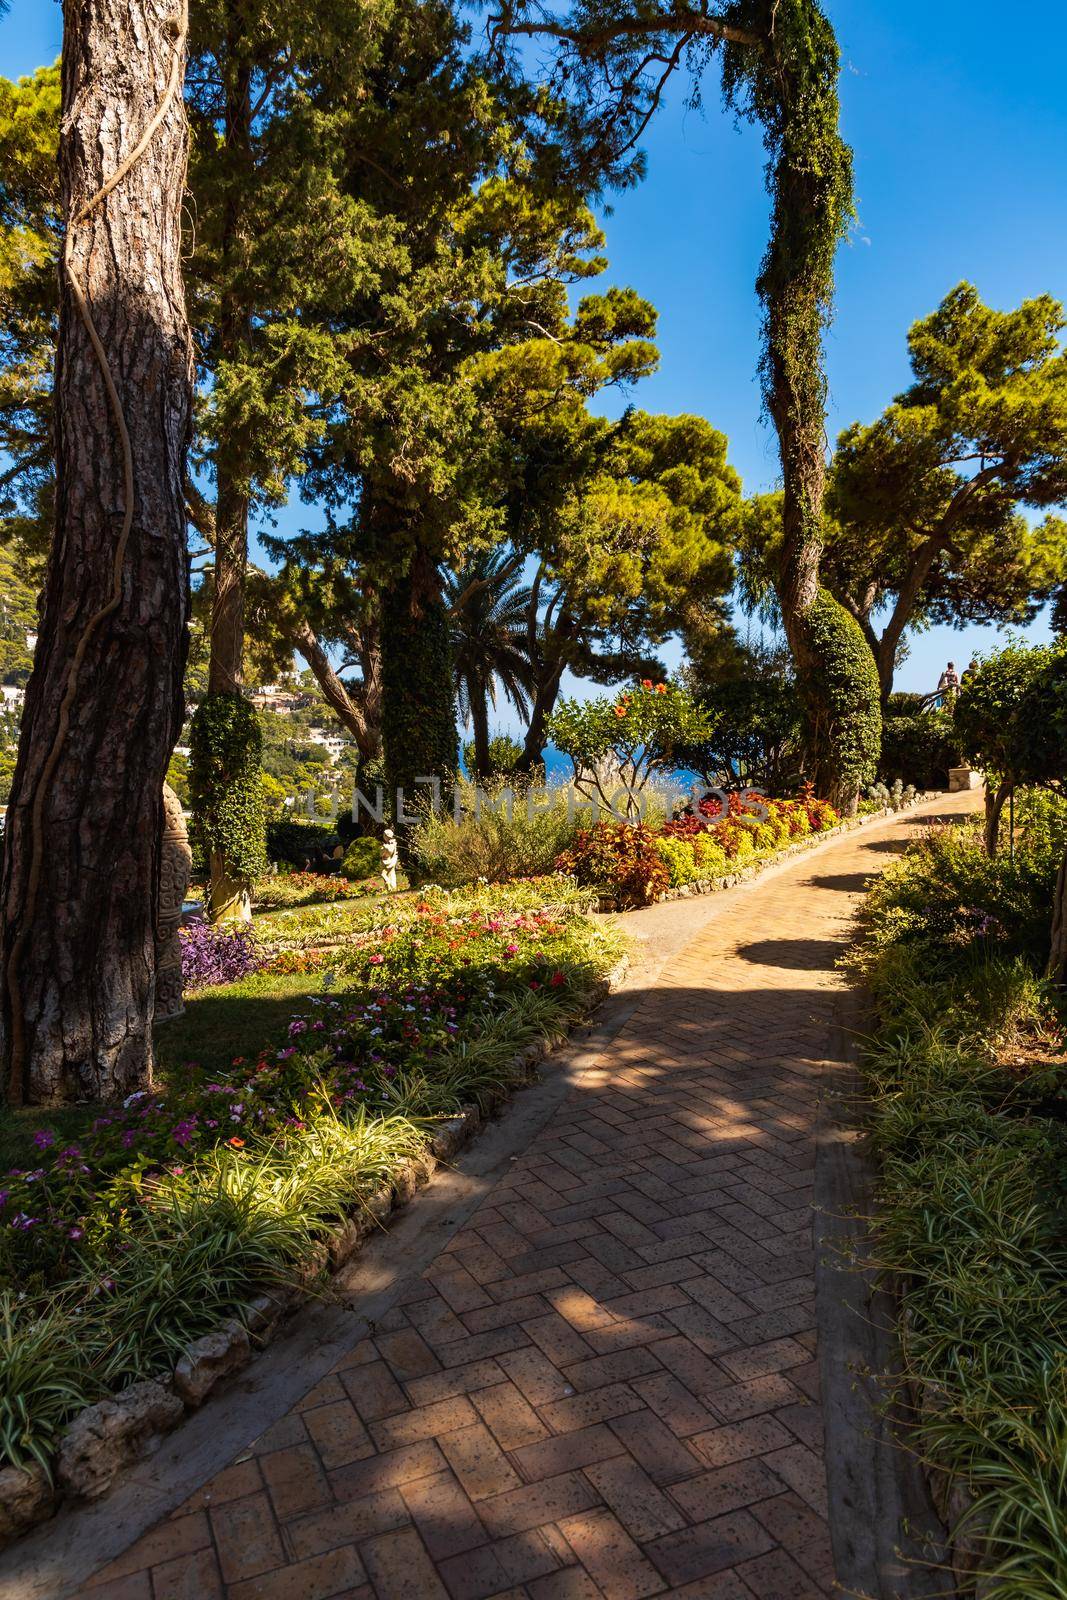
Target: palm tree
x,y
488,606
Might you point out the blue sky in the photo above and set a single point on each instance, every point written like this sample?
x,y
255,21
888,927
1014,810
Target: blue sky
x,y
958,120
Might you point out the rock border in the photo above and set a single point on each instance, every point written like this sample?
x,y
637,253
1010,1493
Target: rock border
x,y
113,1433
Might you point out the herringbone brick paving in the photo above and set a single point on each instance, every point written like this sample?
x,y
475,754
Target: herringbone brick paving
x,y
606,1385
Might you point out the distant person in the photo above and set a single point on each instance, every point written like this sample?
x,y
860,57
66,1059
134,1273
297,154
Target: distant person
x,y
969,670
948,686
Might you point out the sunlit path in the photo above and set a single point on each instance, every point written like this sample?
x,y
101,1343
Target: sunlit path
x,y
607,1381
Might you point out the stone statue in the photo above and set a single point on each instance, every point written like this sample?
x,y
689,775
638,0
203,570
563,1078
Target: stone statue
x,y
390,859
175,867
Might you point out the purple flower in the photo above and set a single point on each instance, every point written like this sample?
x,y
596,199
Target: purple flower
x,y
212,955
298,1025
75,1233
283,1055
21,1221
128,1138
184,1131
43,1139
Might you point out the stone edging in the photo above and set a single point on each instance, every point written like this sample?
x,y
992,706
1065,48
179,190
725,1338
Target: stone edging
x,y
118,1430
809,841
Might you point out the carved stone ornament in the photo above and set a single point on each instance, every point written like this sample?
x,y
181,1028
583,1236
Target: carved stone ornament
x,y
175,868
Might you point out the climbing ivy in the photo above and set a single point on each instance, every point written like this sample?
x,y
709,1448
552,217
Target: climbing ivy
x,y
226,746
843,703
418,696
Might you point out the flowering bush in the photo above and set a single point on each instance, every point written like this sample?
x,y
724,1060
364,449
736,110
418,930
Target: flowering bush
x,y
623,742
700,844
619,856
304,888
219,954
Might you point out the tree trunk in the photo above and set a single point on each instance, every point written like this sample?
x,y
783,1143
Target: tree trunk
x,y
104,704
1057,966
363,718
480,724
995,801
418,688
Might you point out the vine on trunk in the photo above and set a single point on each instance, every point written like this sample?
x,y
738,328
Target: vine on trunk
x,y
226,747
178,29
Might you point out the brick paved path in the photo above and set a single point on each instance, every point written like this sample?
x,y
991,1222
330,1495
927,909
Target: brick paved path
x,y
606,1384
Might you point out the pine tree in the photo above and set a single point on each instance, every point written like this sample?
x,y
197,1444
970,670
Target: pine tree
x,y
104,703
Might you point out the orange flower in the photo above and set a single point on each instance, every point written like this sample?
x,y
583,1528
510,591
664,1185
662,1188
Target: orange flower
x,y
661,688
620,711
237,1143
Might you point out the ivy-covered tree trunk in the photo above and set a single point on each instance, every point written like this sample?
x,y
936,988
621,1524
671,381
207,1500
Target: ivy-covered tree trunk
x,y
104,704
418,688
790,81
480,728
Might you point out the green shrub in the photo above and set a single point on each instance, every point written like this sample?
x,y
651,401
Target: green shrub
x,y
679,857
491,844
363,859
919,748
298,839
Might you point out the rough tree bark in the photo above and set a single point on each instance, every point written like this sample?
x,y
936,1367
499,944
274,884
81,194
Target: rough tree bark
x,y
104,703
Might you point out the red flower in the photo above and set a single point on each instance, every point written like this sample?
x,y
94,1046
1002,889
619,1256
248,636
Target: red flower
x,y
238,1144
646,683
557,980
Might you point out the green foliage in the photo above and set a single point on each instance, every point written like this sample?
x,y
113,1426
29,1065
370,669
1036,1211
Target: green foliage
x,y
363,859
843,701
967,1081
296,839
752,705
917,746
418,697
30,229
488,842
489,610
1011,714
157,1221
949,900
621,742
504,752
914,527
788,83
226,744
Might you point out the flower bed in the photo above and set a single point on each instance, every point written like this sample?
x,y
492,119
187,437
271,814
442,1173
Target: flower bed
x,y
162,1219
308,888
636,864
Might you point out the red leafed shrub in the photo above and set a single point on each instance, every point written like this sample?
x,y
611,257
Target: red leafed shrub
x,y
620,859
821,813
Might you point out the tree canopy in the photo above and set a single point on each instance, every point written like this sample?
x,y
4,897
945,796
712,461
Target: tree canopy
x,y
925,503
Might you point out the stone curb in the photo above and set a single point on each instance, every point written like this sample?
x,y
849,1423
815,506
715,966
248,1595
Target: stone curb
x,y
123,1428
